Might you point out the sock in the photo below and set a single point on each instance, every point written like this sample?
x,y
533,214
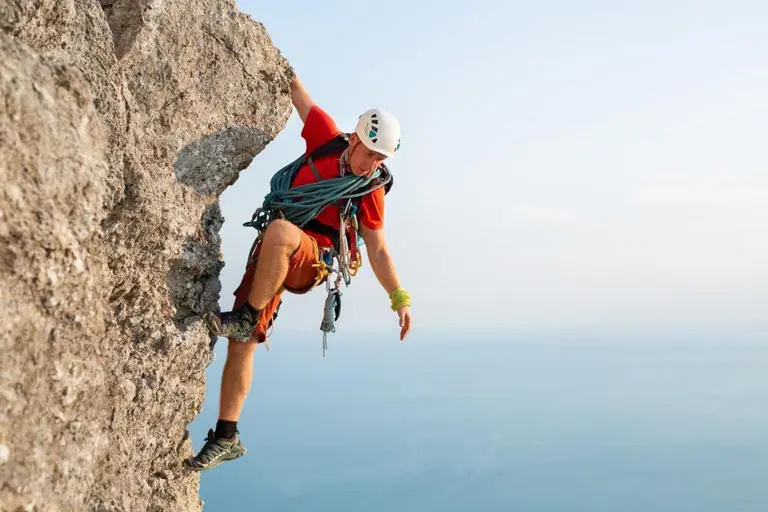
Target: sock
x,y
225,429
253,311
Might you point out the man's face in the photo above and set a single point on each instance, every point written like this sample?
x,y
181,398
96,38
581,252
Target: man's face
x,y
363,161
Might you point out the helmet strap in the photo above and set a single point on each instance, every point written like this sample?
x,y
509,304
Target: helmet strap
x,y
346,156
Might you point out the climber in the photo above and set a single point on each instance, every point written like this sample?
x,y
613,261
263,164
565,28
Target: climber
x,y
288,257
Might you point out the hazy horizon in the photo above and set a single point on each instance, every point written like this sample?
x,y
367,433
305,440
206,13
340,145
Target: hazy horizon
x,y
529,424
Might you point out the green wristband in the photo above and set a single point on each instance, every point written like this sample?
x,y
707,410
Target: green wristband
x,y
399,298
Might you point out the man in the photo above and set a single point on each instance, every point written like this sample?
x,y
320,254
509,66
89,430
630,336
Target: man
x,y
289,258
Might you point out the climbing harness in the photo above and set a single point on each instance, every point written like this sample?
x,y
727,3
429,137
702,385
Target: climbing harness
x,y
300,205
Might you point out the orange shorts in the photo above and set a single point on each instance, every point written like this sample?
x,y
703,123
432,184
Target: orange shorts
x,y
303,275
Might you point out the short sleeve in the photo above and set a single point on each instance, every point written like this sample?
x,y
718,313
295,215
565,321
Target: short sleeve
x,y
372,209
318,129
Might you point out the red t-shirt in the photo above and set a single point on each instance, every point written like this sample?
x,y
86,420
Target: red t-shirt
x,y
318,129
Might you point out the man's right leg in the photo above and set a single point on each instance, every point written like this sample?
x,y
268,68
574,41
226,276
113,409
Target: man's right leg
x,y
223,444
236,380
281,240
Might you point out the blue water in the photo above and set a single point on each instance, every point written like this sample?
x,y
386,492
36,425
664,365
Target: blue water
x,y
498,422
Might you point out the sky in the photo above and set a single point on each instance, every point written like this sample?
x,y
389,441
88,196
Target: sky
x,y
563,165
581,190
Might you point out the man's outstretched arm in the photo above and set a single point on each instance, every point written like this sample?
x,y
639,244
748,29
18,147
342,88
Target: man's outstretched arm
x,y
384,269
300,98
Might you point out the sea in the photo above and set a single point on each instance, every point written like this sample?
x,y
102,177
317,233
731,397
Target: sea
x,y
495,420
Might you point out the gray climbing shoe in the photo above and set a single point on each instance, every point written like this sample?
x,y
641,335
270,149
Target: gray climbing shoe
x,y
237,324
214,452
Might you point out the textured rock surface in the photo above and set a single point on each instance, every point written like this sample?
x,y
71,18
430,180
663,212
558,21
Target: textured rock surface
x,y
121,123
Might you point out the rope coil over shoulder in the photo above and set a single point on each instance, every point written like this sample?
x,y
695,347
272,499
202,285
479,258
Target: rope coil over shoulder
x,y
303,203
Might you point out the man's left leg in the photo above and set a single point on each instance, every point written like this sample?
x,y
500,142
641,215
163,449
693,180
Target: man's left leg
x,y
278,248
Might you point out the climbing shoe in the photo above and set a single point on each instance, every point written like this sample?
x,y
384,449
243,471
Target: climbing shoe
x,y
237,324
214,452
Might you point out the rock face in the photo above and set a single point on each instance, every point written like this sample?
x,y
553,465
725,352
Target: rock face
x,y
120,124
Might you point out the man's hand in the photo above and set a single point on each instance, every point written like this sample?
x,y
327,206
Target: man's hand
x,y
404,313
381,263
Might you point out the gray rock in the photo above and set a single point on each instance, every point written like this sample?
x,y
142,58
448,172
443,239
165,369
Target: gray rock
x,y
123,121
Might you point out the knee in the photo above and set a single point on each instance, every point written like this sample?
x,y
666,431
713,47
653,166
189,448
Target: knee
x,y
282,233
239,349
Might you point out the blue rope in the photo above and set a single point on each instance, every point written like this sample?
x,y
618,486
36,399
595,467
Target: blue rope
x,y
301,204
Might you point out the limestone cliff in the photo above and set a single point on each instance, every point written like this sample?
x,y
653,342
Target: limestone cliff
x,y
120,124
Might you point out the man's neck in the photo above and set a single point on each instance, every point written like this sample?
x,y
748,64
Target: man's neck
x,y
344,163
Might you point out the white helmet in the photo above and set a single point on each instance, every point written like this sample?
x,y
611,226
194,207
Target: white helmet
x,y
379,131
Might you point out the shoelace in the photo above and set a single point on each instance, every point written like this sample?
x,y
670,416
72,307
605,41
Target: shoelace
x,y
240,324
211,451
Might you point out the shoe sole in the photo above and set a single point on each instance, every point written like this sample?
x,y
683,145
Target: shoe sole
x,y
206,468
213,323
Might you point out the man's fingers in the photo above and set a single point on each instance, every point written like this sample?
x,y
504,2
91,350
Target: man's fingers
x,y
405,324
404,317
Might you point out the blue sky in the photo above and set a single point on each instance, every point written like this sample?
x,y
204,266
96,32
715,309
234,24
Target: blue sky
x,y
562,165
581,194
